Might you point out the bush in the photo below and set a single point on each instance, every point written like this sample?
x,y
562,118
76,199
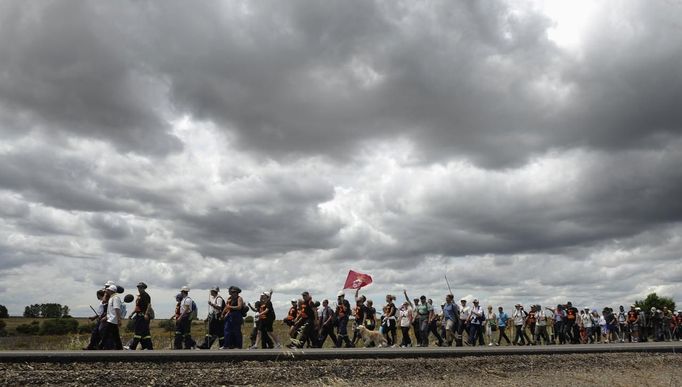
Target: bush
x,y
3,312
130,326
86,328
59,326
167,325
29,329
3,332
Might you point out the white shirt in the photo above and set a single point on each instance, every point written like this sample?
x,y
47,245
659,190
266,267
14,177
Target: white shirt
x,y
186,305
217,300
114,303
540,318
587,320
404,316
518,316
464,312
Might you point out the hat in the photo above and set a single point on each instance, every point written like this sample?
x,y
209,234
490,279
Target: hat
x,y
653,309
638,308
109,283
184,289
142,285
234,289
340,294
475,301
112,288
293,301
215,289
463,300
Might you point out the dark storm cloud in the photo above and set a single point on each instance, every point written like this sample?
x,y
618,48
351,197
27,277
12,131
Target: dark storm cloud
x,y
474,80
74,67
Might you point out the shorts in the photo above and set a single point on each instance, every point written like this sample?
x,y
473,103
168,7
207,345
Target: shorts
x,y
265,326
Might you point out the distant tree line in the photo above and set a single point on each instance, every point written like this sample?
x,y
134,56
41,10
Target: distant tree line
x,y
3,312
46,311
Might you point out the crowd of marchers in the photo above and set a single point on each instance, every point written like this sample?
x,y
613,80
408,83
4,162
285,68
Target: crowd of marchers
x,y
310,323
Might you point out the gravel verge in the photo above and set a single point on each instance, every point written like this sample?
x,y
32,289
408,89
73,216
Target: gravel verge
x,y
622,369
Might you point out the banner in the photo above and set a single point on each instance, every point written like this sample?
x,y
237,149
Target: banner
x,y
357,280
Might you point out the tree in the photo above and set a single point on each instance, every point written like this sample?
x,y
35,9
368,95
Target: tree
x,y
32,311
66,311
50,310
654,301
3,312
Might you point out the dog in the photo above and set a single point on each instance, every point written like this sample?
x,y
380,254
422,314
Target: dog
x,y
372,337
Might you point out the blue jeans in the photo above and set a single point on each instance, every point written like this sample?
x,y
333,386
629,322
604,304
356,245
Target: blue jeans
x,y
233,330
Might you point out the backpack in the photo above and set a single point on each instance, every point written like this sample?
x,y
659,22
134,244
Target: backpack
x,y
245,310
150,312
124,310
482,317
194,311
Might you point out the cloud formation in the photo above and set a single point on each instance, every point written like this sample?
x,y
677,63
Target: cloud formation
x,y
279,144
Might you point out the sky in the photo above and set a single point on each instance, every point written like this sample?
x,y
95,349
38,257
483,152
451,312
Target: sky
x,y
529,151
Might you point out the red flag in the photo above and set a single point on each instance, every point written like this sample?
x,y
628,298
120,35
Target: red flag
x,y
357,280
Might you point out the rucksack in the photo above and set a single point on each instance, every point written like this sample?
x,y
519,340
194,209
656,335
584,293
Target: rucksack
x,y
245,310
150,312
124,310
194,311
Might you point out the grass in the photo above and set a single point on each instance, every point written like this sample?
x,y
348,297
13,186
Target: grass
x,y
160,338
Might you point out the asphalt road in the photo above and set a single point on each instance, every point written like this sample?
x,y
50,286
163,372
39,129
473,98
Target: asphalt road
x,y
327,353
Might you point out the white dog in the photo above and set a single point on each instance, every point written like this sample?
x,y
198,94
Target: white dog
x,y
372,337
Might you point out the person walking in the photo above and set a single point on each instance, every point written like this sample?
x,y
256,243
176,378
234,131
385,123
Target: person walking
x,y
216,330
433,324
326,324
502,324
490,325
476,319
111,337
308,323
464,311
234,319
541,321
405,316
342,314
451,319
183,321
519,317
141,318
389,320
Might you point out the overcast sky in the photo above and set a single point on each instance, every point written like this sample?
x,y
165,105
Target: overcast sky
x,y
531,151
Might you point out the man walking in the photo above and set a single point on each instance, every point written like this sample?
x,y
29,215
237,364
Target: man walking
x,y
216,329
451,318
141,317
111,337
326,324
183,322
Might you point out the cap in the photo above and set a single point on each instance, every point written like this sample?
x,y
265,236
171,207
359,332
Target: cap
x,y
215,289
475,300
293,301
109,283
234,289
142,285
340,294
112,288
184,289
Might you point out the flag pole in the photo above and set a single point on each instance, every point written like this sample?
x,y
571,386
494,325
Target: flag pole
x,y
448,282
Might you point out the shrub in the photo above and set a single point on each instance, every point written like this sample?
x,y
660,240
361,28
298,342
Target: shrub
x,y
86,328
130,326
29,329
59,326
167,325
3,332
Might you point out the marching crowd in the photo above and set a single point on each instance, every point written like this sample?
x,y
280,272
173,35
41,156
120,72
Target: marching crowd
x,y
311,323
